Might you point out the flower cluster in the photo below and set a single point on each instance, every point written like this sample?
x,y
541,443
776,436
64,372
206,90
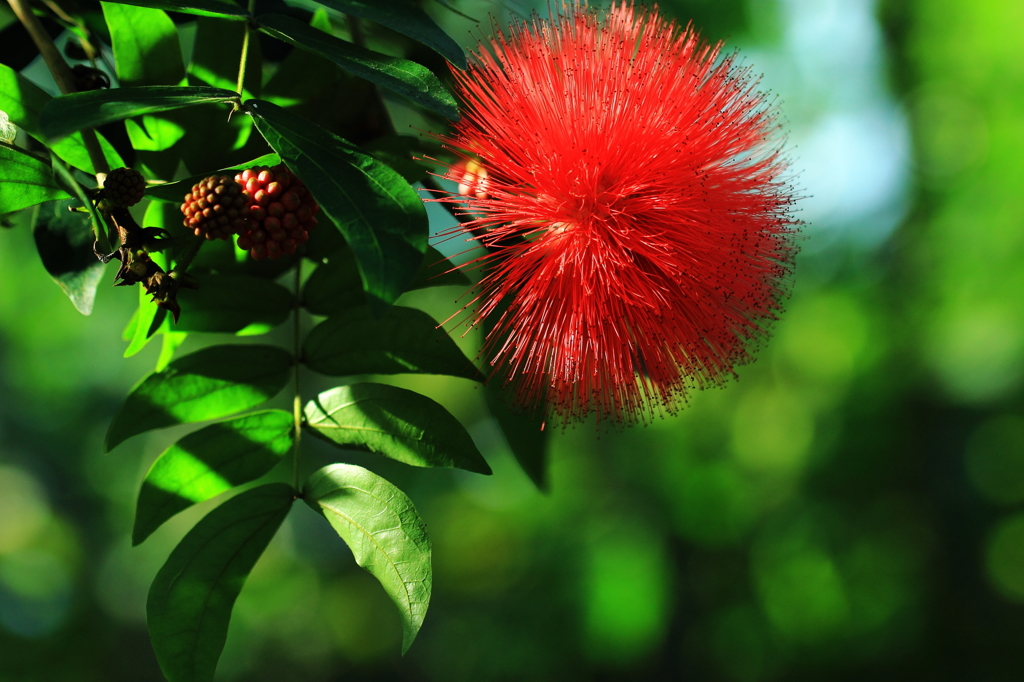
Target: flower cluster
x,y
627,179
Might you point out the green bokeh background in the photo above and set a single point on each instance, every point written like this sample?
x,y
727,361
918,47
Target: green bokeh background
x,y
852,507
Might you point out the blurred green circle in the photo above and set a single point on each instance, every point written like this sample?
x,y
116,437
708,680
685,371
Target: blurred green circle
x,y
995,459
1004,557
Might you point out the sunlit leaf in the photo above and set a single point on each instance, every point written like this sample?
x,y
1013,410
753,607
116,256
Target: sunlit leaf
x,y
406,18
396,423
203,8
402,340
23,101
405,77
234,304
379,213
190,600
64,240
211,461
147,50
385,533
25,181
210,383
64,115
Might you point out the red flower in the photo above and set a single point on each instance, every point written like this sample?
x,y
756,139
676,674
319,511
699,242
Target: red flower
x,y
639,231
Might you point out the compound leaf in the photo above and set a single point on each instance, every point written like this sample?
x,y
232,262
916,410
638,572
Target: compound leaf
x,y
210,383
402,340
64,240
400,424
385,533
405,77
204,8
190,600
211,461
406,18
234,304
64,115
25,181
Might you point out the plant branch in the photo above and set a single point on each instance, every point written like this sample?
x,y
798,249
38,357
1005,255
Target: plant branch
x,y
297,400
61,74
245,52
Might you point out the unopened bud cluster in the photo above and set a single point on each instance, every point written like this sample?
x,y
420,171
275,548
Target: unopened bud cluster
x,y
123,188
281,212
269,209
215,208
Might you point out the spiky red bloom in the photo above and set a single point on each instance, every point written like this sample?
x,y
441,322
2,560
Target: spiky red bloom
x,y
640,233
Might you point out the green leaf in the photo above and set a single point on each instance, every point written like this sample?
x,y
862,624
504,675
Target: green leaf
x,y
25,181
171,342
147,49
64,115
379,213
234,304
403,340
385,533
64,240
335,286
175,192
413,80
208,384
407,18
153,134
400,424
524,433
23,101
211,461
523,429
203,8
147,322
190,601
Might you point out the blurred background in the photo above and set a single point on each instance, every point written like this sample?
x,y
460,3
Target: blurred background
x,y
851,508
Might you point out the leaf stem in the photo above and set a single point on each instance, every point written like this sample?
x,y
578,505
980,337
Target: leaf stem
x,y
296,348
245,50
61,74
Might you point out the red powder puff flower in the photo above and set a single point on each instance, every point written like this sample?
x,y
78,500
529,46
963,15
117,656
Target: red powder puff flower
x,y
624,178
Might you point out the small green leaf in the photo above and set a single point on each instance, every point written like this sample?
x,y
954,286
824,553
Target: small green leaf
x,y
400,424
171,342
335,286
211,461
385,533
147,49
204,8
25,181
190,601
234,304
403,340
23,101
148,320
379,213
64,240
175,192
64,115
406,18
413,80
211,383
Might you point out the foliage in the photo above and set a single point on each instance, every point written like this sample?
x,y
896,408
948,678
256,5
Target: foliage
x,y
173,114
